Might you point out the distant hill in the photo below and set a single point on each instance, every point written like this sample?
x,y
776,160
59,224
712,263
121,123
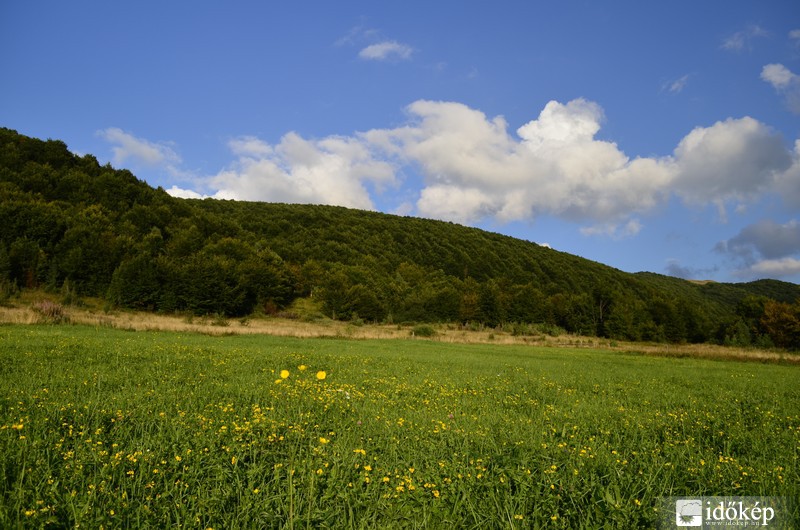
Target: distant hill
x,y
68,223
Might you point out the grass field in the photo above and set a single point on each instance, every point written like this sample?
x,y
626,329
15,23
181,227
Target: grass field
x,y
102,427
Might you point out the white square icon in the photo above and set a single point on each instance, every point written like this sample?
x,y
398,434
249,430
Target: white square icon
x,y
689,512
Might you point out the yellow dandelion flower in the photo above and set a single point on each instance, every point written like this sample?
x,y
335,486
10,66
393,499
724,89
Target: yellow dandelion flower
x,y
278,381
518,517
302,367
284,374
321,375
323,440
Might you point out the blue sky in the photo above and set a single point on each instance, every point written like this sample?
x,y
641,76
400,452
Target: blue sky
x,y
647,136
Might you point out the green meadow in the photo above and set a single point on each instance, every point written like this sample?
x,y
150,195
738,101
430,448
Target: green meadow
x,y
105,428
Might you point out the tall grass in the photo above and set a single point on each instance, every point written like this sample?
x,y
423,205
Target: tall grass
x,y
108,428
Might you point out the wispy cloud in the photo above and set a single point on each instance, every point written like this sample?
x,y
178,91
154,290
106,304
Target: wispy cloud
x,y
386,50
374,46
676,85
146,157
358,34
129,148
674,268
679,84
743,40
614,230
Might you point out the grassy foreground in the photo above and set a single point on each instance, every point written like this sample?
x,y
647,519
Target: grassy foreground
x,y
101,427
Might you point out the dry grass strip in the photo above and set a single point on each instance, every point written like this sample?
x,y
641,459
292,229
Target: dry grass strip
x,y
215,326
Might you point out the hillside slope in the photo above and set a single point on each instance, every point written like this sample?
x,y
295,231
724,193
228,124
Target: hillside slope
x,y
68,223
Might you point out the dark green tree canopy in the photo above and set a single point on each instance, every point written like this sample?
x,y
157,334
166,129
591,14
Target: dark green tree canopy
x,y
65,219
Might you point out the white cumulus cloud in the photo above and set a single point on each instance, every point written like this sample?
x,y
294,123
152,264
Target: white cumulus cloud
x,y
777,75
732,159
771,268
785,82
333,170
181,193
474,168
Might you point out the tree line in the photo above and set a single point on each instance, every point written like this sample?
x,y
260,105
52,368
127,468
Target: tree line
x,y
68,222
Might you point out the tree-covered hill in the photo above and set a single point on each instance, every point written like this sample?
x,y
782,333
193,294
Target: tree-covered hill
x,y
66,220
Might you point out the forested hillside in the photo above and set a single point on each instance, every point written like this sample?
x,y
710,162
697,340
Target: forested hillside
x,y
68,221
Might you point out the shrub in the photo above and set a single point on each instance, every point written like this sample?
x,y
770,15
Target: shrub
x,y
518,329
68,295
423,331
7,291
551,329
219,319
50,312
305,309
